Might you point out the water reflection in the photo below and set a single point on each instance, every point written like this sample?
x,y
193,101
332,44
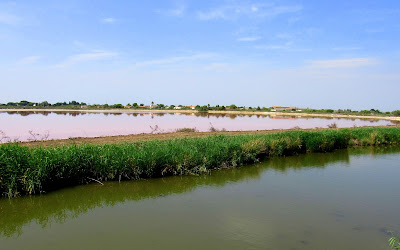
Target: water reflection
x,y
66,124
195,114
60,206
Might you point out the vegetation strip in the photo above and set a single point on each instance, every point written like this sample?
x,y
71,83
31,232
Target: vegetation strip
x,y
25,170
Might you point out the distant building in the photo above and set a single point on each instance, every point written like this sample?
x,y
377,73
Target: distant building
x,y
192,107
127,106
84,106
280,108
178,107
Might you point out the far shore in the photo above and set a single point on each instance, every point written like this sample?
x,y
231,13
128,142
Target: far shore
x,y
238,112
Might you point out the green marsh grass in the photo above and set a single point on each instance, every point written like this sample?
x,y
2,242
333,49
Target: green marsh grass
x,y
36,170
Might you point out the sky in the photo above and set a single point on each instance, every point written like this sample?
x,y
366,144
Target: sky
x,y
314,53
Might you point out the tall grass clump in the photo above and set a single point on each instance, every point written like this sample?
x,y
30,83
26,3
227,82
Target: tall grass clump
x,y
35,170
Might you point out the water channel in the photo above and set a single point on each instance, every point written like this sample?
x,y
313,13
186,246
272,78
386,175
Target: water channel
x,y
348,199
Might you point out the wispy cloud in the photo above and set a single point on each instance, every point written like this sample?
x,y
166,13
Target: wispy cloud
x,y
178,11
9,19
93,56
177,59
108,20
285,46
248,39
228,12
346,48
343,63
29,60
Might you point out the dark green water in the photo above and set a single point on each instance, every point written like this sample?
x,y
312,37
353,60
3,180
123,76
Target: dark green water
x,y
348,199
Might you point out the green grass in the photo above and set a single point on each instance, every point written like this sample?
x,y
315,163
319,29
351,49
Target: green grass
x,y
26,170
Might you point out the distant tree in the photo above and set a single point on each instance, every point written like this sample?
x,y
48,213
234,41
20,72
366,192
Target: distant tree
x,y
172,107
366,112
258,108
141,104
233,106
74,103
24,103
396,113
128,104
134,104
44,104
117,106
202,108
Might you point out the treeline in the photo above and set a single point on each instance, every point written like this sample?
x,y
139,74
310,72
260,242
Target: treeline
x,y
204,108
40,104
352,112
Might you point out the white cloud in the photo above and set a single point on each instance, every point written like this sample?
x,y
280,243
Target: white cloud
x,y
29,60
94,56
249,39
177,59
178,11
213,14
228,12
9,19
342,63
109,20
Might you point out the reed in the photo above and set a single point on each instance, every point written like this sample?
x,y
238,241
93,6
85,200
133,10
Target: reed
x,y
26,170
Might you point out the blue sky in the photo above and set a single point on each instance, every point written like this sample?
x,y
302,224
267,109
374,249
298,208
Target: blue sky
x,y
321,54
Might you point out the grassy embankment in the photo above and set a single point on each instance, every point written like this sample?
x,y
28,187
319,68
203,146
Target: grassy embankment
x,y
25,170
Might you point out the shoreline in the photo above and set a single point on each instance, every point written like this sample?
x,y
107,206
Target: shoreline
x,y
236,112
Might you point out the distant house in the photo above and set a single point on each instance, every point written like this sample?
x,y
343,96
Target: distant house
x,y
84,106
153,106
127,106
192,107
144,106
280,108
177,107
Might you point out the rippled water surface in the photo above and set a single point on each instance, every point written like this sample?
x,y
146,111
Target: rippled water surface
x,y
39,125
348,199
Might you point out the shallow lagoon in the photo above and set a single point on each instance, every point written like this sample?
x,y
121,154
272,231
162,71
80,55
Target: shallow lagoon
x,y
61,125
